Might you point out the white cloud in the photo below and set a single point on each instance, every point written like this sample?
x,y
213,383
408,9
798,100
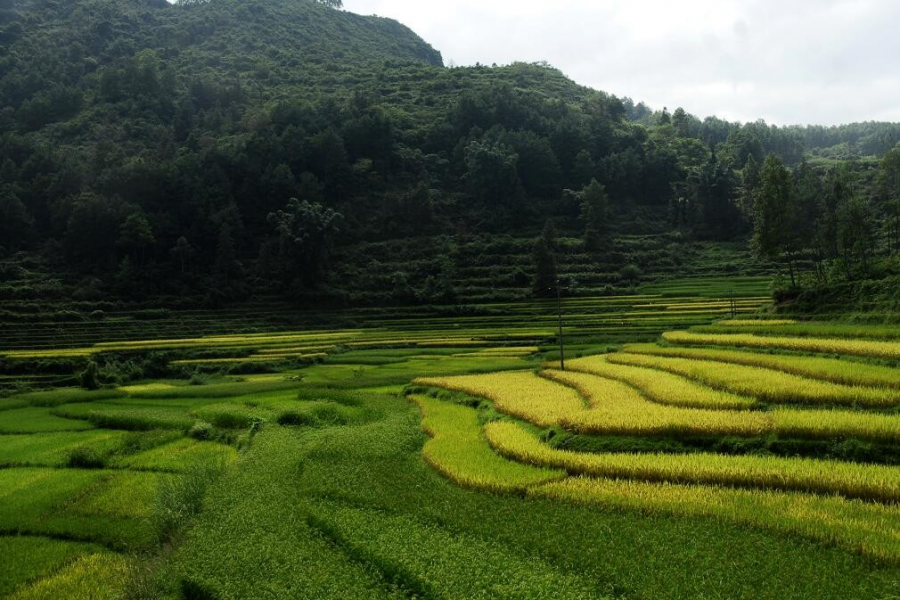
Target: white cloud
x,y
787,61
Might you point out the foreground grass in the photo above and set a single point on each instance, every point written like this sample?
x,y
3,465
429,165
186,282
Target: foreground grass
x,y
431,562
871,529
93,577
27,559
354,512
378,467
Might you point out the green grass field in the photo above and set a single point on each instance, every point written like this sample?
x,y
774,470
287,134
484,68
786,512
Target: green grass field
x,y
451,458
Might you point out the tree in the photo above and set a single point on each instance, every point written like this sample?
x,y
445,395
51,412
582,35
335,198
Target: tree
x,y
15,221
681,123
491,173
664,117
631,274
331,3
182,251
774,214
741,145
226,268
135,236
302,239
594,209
93,228
855,235
719,217
584,169
747,190
545,279
888,187
808,190
89,379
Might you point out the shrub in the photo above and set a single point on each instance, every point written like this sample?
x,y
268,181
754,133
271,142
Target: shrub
x,y
201,430
89,379
85,457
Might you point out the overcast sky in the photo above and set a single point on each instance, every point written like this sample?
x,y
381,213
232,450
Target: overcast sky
x,y
786,61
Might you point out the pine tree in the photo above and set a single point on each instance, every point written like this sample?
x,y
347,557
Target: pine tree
x,y
774,214
182,251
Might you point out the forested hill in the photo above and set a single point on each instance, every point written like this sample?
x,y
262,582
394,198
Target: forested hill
x,y
225,148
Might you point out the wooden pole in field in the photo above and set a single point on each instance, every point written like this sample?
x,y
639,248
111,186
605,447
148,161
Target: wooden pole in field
x,y
562,349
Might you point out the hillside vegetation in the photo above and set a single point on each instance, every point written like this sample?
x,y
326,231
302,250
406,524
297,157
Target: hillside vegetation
x,y
224,149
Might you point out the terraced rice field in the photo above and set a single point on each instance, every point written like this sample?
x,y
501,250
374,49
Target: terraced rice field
x,y
664,403
455,459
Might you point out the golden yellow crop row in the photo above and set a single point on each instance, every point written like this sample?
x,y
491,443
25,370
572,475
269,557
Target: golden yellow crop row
x,y
768,385
866,348
835,370
458,450
519,394
867,482
617,408
664,388
620,410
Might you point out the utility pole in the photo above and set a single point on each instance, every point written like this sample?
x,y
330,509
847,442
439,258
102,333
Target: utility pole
x,y
562,348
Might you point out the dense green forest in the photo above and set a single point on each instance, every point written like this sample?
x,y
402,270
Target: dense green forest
x,y
227,148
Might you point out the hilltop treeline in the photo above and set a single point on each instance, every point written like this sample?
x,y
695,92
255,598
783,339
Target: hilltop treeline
x,y
234,144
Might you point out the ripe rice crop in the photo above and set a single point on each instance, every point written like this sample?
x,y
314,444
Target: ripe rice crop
x,y
851,347
867,482
767,385
619,409
664,388
836,424
834,370
458,450
869,528
520,394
